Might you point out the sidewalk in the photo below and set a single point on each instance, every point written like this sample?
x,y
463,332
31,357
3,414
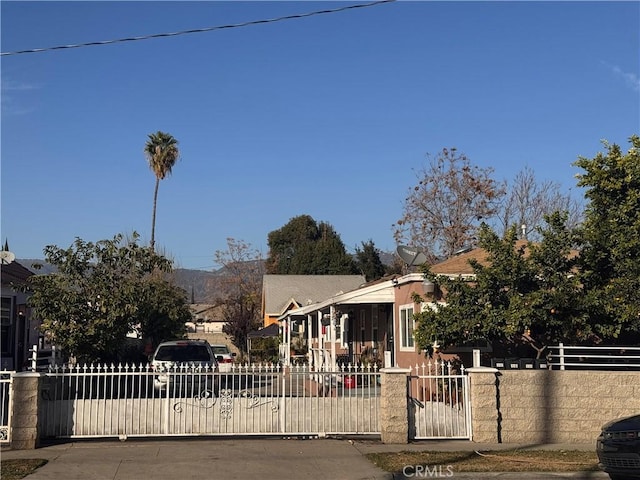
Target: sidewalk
x,y
249,458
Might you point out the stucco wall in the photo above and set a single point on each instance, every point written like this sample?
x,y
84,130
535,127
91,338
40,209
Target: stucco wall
x,y
549,406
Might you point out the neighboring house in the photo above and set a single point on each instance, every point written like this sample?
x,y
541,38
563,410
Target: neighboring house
x,y
370,324
281,293
207,325
374,322
206,317
17,333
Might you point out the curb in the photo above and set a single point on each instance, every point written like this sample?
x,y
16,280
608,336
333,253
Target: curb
x,y
594,475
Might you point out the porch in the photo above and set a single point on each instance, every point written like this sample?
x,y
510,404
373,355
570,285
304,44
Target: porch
x,y
372,325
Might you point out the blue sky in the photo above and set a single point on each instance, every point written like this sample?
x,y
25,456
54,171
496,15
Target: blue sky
x,y
329,115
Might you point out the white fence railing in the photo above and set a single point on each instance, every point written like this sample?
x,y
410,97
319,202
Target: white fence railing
x,y
565,357
44,358
6,405
123,401
439,402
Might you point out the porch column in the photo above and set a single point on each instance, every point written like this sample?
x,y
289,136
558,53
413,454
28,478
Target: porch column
x,y
282,339
287,350
394,413
332,337
309,337
25,433
484,396
320,336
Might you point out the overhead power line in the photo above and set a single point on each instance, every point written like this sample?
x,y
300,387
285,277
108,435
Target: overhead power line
x,y
198,30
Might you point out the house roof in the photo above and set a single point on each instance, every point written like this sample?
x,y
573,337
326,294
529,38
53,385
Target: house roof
x,y
272,330
281,291
382,291
210,312
14,273
459,264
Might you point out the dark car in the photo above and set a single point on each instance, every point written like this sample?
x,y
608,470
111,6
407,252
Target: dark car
x,y
618,448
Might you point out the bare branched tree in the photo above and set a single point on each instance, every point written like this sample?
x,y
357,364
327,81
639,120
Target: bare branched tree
x,y
243,268
443,212
528,201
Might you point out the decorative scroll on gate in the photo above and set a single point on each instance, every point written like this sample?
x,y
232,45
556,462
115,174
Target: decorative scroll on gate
x,y
123,401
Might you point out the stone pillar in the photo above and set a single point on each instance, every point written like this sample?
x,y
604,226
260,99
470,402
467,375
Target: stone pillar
x,y
25,434
394,416
485,404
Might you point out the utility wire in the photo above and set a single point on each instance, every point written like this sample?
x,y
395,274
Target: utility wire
x,y
198,30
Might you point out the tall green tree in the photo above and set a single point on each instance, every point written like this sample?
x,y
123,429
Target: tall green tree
x,y
161,151
574,285
305,247
611,238
526,295
368,261
102,291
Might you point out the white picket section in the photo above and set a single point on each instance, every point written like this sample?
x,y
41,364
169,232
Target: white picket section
x,y
439,405
263,399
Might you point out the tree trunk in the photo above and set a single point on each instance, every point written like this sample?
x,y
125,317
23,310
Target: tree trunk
x,y
153,216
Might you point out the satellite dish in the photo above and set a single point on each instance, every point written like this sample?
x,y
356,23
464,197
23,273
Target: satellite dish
x,y
462,250
411,256
6,257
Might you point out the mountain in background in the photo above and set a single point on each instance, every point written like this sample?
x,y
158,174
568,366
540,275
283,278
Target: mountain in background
x,y
201,286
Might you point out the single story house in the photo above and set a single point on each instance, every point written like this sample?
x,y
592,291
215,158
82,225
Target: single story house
x,y
18,332
373,323
281,293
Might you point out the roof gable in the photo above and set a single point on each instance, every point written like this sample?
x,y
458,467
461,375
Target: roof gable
x,y
280,292
14,272
459,264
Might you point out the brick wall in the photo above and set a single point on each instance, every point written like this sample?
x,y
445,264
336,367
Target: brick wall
x,y
549,406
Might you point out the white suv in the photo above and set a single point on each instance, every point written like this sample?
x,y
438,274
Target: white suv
x,y
184,363
224,356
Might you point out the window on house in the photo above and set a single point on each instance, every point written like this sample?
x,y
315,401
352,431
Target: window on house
x,y
362,330
407,324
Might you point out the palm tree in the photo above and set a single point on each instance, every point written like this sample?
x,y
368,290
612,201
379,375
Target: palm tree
x,y
162,154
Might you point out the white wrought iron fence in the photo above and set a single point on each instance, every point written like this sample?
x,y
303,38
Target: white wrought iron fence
x,y
6,404
566,357
439,405
264,399
43,358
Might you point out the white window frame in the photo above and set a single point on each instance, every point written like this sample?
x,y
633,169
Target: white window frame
x,y
407,326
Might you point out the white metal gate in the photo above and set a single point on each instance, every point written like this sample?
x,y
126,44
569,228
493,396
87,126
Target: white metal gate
x,y
6,405
439,405
109,401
